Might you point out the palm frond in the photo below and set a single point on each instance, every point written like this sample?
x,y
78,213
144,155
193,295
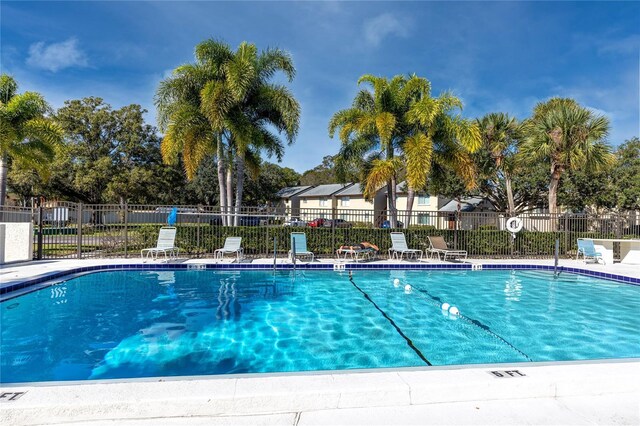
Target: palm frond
x,y
380,173
418,150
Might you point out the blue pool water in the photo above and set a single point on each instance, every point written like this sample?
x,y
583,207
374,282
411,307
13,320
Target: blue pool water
x,y
174,323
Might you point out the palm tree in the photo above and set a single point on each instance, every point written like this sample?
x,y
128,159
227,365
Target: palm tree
x,y
400,128
27,137
501,136
373,130
229,108
440,138
569,137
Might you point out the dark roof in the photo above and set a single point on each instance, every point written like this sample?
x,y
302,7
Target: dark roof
x,y
355,189
325,190
466,204
401,188
291,191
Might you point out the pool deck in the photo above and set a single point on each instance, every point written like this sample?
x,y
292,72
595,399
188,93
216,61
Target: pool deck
x,y
590,392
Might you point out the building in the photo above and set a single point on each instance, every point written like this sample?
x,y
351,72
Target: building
x,y
447,214
319,201
425,206
290,200
353,207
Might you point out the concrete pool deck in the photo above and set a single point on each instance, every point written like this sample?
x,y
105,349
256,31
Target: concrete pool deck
x,y
590,392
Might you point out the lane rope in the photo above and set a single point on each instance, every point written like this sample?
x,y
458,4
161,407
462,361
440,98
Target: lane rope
x,y
404,336
477,323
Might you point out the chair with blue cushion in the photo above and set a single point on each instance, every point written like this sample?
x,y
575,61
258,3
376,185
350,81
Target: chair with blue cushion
x,y
588,250
580,248
299,246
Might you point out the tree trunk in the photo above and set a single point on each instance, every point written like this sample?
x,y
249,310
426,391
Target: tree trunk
x,y
221,184
556,173
239,187
230,192
510,200
4,168
392,204
411,194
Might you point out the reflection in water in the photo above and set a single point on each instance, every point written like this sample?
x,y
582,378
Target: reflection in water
x,y
513,287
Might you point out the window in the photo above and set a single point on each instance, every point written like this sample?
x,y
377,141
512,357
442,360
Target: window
x,y
323,202
344,201
424,200
423,219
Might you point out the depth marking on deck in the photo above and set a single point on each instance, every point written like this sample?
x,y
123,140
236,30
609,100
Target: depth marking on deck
x,y
11,396
404,336
506,374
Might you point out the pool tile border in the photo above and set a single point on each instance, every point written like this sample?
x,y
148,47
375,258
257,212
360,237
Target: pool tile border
x,y
10,288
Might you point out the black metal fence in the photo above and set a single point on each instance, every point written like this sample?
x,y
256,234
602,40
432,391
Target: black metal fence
x,y
73,230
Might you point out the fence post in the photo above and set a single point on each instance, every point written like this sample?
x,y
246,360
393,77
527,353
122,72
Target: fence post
x,y
79,230
566,233
333,236
126,229
198,231
40,230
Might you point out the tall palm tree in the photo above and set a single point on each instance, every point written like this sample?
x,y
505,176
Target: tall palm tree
x,y
27,136
400,128
440,138
373,130
230,108
569,137
501,137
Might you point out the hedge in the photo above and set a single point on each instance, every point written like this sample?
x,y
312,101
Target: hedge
x,y
202,240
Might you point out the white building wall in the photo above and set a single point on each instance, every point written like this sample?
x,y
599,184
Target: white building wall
x,y
16,241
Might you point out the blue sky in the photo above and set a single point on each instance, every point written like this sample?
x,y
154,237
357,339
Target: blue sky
x,y
496,56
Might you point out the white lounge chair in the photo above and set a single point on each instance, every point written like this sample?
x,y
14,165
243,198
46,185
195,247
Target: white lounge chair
x,y
437,245
165,244
299,241
399,246
231,245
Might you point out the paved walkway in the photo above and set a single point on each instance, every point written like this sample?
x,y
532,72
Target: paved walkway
x,y
569,393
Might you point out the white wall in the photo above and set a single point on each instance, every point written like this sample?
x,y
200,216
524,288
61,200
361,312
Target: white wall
x,y
16,241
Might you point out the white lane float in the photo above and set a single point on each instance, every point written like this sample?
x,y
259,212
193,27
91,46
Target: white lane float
x,y
396,282
454,311
407,289
445,306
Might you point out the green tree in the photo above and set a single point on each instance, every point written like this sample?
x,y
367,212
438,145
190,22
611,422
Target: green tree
x,y
109,155
372,130
226,104
27,136
626,175
440,138
501,136
261,189
322,174
399,129
568,137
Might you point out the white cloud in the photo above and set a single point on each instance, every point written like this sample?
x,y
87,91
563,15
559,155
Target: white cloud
x,y
622,46
56,56
376,29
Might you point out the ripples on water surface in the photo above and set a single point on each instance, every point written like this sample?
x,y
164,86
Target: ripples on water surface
x,y
175,323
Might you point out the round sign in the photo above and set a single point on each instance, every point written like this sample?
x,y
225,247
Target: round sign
x,y
514,225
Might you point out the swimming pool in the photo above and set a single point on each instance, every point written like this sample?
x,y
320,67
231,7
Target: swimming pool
x,y
124,324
